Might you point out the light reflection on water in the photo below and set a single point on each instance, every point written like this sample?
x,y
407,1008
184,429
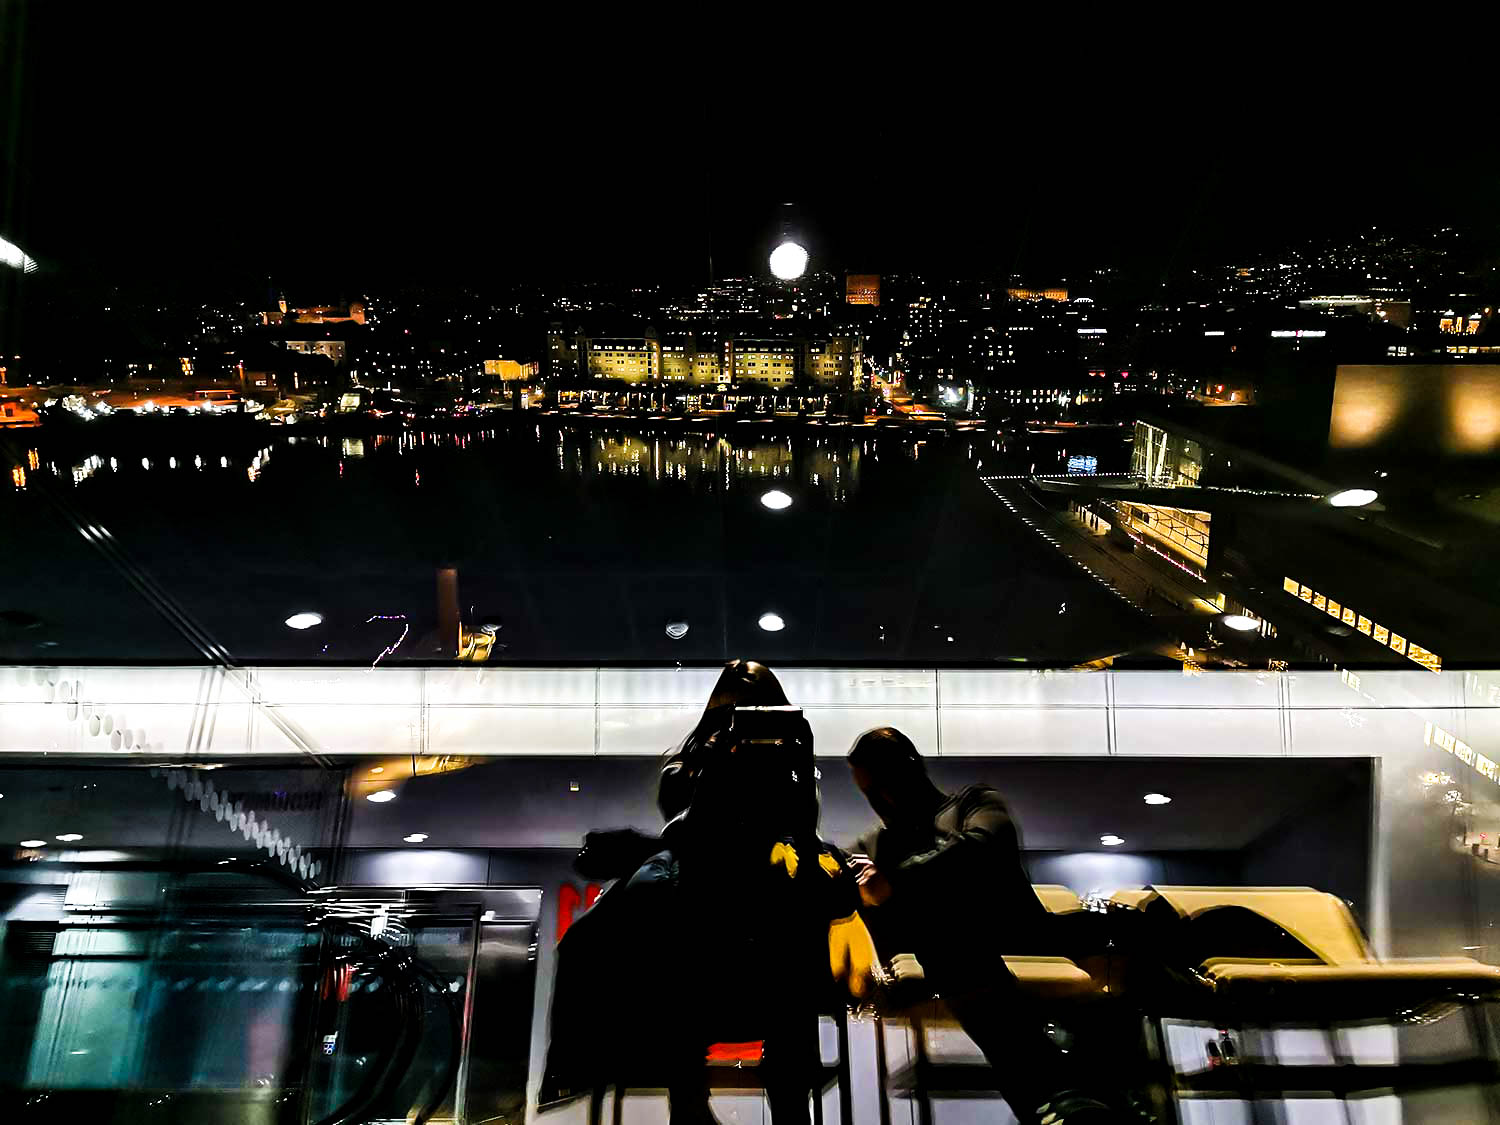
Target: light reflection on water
x,y
829,464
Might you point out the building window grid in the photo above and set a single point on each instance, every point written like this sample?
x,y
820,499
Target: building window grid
x,y
1378,633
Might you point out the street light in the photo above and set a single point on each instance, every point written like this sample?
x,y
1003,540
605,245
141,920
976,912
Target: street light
x,y
788,261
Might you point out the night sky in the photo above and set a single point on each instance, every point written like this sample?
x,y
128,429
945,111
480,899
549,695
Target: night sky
x,y
369,144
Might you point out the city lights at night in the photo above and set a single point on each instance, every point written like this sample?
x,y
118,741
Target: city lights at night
x,y
535,593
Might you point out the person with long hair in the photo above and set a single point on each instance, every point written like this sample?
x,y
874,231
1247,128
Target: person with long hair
x,y
730,925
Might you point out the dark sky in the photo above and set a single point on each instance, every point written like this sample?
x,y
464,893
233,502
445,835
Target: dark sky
x,y
423,142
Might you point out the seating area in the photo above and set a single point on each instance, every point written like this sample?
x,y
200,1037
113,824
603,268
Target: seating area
x,y
1321,1014
1281,964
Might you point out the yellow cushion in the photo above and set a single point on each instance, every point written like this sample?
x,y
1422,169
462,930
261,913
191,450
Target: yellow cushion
x,y
1132,897
1057,899
1318,920
1050,976
1460,971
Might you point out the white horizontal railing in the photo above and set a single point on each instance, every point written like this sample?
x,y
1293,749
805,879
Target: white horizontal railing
x,y
180,713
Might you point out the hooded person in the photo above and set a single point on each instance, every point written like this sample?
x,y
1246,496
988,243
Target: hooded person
x,y
945,890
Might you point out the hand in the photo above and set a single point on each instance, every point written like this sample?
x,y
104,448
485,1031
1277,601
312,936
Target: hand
x,y
906,969
874,888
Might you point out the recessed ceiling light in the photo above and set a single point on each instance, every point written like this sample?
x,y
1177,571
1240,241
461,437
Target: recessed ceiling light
x,y
381,796
1110,840
771,622
573,787
1157,799
776,500
378,769
69,837
33,843
304,620
677,629
415,837
1241,622
1353,498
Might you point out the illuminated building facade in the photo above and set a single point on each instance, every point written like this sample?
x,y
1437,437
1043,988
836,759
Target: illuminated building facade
x,y
834,363
772,364
630,359
1164,459
509,370
333,349
825,364
1031,293
561,355
1452,323
683,362
862,289
1362,624
351,313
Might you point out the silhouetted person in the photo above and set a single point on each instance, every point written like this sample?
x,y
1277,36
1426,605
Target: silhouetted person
x,y
718,928
945,885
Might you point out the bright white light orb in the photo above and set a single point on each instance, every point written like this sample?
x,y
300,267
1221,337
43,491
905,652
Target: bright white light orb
x,y
771,622
1353,498
381,796
304,620
677,629
776,500
33,843
1157,799
1241,622
788,261
70,837
1109,840
415,837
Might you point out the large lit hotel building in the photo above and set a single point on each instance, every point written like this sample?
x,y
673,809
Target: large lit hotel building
x,y
779,364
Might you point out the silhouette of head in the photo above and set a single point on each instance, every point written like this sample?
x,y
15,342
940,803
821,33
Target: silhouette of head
x,y
891,774
742,683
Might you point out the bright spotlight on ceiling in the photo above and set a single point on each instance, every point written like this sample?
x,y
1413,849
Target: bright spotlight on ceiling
x,y
304,620
415,837
1353,498
381,796
1157,799
776,500
1241,622
771,622
1110,840
788,261
70,837
33,843
677,629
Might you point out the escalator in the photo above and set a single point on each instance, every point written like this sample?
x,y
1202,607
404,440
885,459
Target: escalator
x,y
222,992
